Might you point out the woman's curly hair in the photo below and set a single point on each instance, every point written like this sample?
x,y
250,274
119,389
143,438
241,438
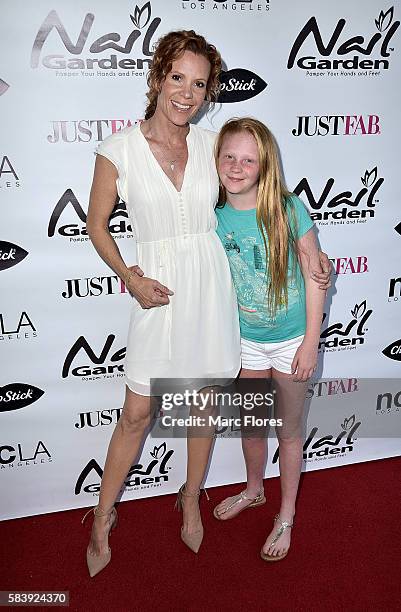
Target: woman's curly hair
x,y
169,48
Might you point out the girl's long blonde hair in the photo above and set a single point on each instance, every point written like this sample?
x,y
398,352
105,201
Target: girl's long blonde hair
x,y
272,207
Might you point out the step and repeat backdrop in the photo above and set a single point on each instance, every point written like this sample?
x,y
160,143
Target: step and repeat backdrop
x,y
325,78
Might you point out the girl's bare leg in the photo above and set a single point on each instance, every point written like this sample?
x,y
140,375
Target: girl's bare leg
x,y
290,408
123,448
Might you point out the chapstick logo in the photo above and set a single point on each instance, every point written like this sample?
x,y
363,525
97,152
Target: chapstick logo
x,y
10,254
238,84
18,395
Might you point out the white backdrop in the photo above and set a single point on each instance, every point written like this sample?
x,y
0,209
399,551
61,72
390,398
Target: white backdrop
x,y
73,73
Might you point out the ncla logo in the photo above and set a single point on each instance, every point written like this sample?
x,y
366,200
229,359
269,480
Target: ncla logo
x,y
24,328
89,287
9,454
393,350
346,335
86,130
330,446
238,6
18,395
140,19
87,372
138,475
393,294
77,233
10,254
8,175
337,125
237,85
338,45
325,208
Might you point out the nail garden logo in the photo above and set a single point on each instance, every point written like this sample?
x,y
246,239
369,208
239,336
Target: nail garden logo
x,y
17,327
222,6
139,477
111,54
349,335
10,254
344,51
69,206
108,364
238,84
332,206
18,395
93,287
9,178
21,455
393,350
337,125
86,130
394,290
333,446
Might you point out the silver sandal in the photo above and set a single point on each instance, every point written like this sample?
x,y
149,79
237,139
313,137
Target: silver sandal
x,y
259,500
284,525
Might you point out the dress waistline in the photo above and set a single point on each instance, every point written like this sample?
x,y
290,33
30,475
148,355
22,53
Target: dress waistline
x,y
176,238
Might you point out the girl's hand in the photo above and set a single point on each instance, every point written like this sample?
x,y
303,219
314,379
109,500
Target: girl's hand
x,y
304,362
147,291
322,278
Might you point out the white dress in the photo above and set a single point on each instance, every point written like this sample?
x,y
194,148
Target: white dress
x,y
197,334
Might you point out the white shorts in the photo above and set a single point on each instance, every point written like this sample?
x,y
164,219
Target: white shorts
x,y
264,356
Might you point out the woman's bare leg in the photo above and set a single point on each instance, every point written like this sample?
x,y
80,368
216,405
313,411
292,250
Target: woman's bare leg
x,y
199,443
290,408
123,448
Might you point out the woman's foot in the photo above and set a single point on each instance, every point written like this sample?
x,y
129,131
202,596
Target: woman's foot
x,y
231,506
278,541
191,521
99,541
192,528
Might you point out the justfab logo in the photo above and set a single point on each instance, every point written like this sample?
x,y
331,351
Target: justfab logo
x,y
3,87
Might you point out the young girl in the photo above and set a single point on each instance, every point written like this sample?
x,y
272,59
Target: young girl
x,y
265,230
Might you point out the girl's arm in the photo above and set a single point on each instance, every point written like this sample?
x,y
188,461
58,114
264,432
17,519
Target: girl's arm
x,y
305,359
148,292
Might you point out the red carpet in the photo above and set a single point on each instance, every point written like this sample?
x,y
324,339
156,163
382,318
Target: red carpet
x,y
345,552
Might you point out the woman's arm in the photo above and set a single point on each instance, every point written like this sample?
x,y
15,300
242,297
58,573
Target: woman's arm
x,y
147,291
305,359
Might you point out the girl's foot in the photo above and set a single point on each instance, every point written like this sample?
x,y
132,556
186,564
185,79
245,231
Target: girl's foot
x,y
231,506
278,541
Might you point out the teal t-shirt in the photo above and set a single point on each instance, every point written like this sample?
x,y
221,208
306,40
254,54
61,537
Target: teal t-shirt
x,y
238,231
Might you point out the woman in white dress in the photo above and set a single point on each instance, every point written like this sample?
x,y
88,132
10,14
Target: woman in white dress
x,y
184,321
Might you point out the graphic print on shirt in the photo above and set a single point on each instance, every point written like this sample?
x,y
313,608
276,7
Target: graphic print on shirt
x,y
247,261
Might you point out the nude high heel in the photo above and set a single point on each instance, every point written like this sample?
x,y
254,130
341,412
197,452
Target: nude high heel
x,y
98,562
192,540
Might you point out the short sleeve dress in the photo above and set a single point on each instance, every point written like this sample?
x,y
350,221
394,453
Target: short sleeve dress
x,y
197,334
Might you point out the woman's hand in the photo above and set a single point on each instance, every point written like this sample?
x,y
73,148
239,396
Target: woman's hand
x,y
147,291
304,362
